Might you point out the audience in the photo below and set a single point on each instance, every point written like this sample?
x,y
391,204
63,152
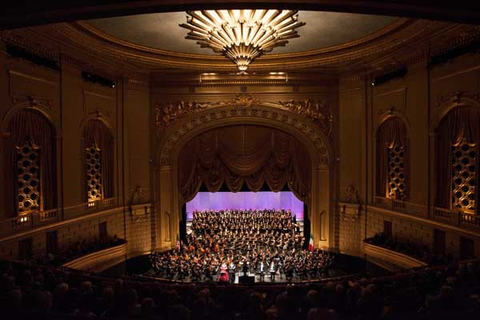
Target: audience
x,y
426,293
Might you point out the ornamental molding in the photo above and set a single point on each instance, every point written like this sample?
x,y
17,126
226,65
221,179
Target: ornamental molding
x,y
317,111
297,125
81,37
406,41
456,97
31,100
348,212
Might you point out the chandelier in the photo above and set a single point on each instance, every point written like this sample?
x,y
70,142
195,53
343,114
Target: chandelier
x,y
242,35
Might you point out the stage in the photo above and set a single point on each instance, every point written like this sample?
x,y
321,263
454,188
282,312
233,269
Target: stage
x,y
343,266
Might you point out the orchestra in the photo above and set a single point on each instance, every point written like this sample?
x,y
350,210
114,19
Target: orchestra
x,y
224,242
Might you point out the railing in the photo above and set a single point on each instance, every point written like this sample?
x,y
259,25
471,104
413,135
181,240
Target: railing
x,y
402,206
390,259
469,220
451,217
36,219
444,215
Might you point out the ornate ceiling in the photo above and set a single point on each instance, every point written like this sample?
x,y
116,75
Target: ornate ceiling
x,y
162,31
330,43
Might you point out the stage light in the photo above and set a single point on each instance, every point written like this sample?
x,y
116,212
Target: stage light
x,y
22,53
90,77
389,76
444,57
242,35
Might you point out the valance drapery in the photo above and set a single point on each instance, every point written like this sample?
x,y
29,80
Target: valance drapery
x,y
240,154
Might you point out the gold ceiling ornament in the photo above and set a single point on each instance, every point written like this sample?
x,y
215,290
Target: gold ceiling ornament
x,y
242,35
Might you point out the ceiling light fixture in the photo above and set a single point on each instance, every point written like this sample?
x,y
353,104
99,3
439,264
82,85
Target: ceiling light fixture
x,y
242,35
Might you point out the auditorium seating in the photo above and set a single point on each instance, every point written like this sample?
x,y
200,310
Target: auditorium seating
x,y
425,293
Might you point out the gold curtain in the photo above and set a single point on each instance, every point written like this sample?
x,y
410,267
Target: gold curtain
x,y
459,124
392,132
240,154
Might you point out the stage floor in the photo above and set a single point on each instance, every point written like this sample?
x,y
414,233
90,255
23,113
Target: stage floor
x,y
343,265
279,278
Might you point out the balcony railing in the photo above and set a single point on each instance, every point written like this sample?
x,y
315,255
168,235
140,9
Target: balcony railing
x,y
36,219
402,206
451,217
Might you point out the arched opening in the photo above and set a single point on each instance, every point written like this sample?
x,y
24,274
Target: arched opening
x,y
30,158
456,154
245,157
315,144
98,159
392,171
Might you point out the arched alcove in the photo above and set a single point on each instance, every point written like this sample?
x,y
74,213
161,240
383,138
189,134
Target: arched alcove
x,y
30,139
98,158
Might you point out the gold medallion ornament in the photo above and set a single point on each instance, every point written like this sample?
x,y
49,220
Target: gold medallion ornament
x,y
242,35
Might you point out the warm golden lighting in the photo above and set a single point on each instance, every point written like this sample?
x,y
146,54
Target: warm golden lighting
x,y
242,35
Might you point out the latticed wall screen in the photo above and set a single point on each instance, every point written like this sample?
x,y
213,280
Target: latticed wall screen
x,y
94,173
28,178
396,175
464,171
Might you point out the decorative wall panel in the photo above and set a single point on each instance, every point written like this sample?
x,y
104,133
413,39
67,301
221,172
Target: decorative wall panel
x,y
28,178
94,173
396,175
464,159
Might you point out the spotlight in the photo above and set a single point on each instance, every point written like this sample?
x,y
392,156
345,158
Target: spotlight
x,y
400,73
444,57
22,53
90,77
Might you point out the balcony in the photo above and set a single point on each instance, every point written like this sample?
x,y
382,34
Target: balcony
x,y
36,219
449,217
402,206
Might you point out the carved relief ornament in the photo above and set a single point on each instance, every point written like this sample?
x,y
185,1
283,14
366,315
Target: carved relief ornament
x,y
457,96
319,112
177,130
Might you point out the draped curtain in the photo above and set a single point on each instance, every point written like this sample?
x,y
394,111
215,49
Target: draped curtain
x,y
391,133
459,124
28,125
240,154
96,132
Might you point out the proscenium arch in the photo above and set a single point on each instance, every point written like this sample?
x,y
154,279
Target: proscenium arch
x,y
302,128
176,136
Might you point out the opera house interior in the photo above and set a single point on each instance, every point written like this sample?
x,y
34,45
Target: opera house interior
x,y
239,159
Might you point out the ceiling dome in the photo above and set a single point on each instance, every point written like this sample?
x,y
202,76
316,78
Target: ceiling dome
x,y
162,31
